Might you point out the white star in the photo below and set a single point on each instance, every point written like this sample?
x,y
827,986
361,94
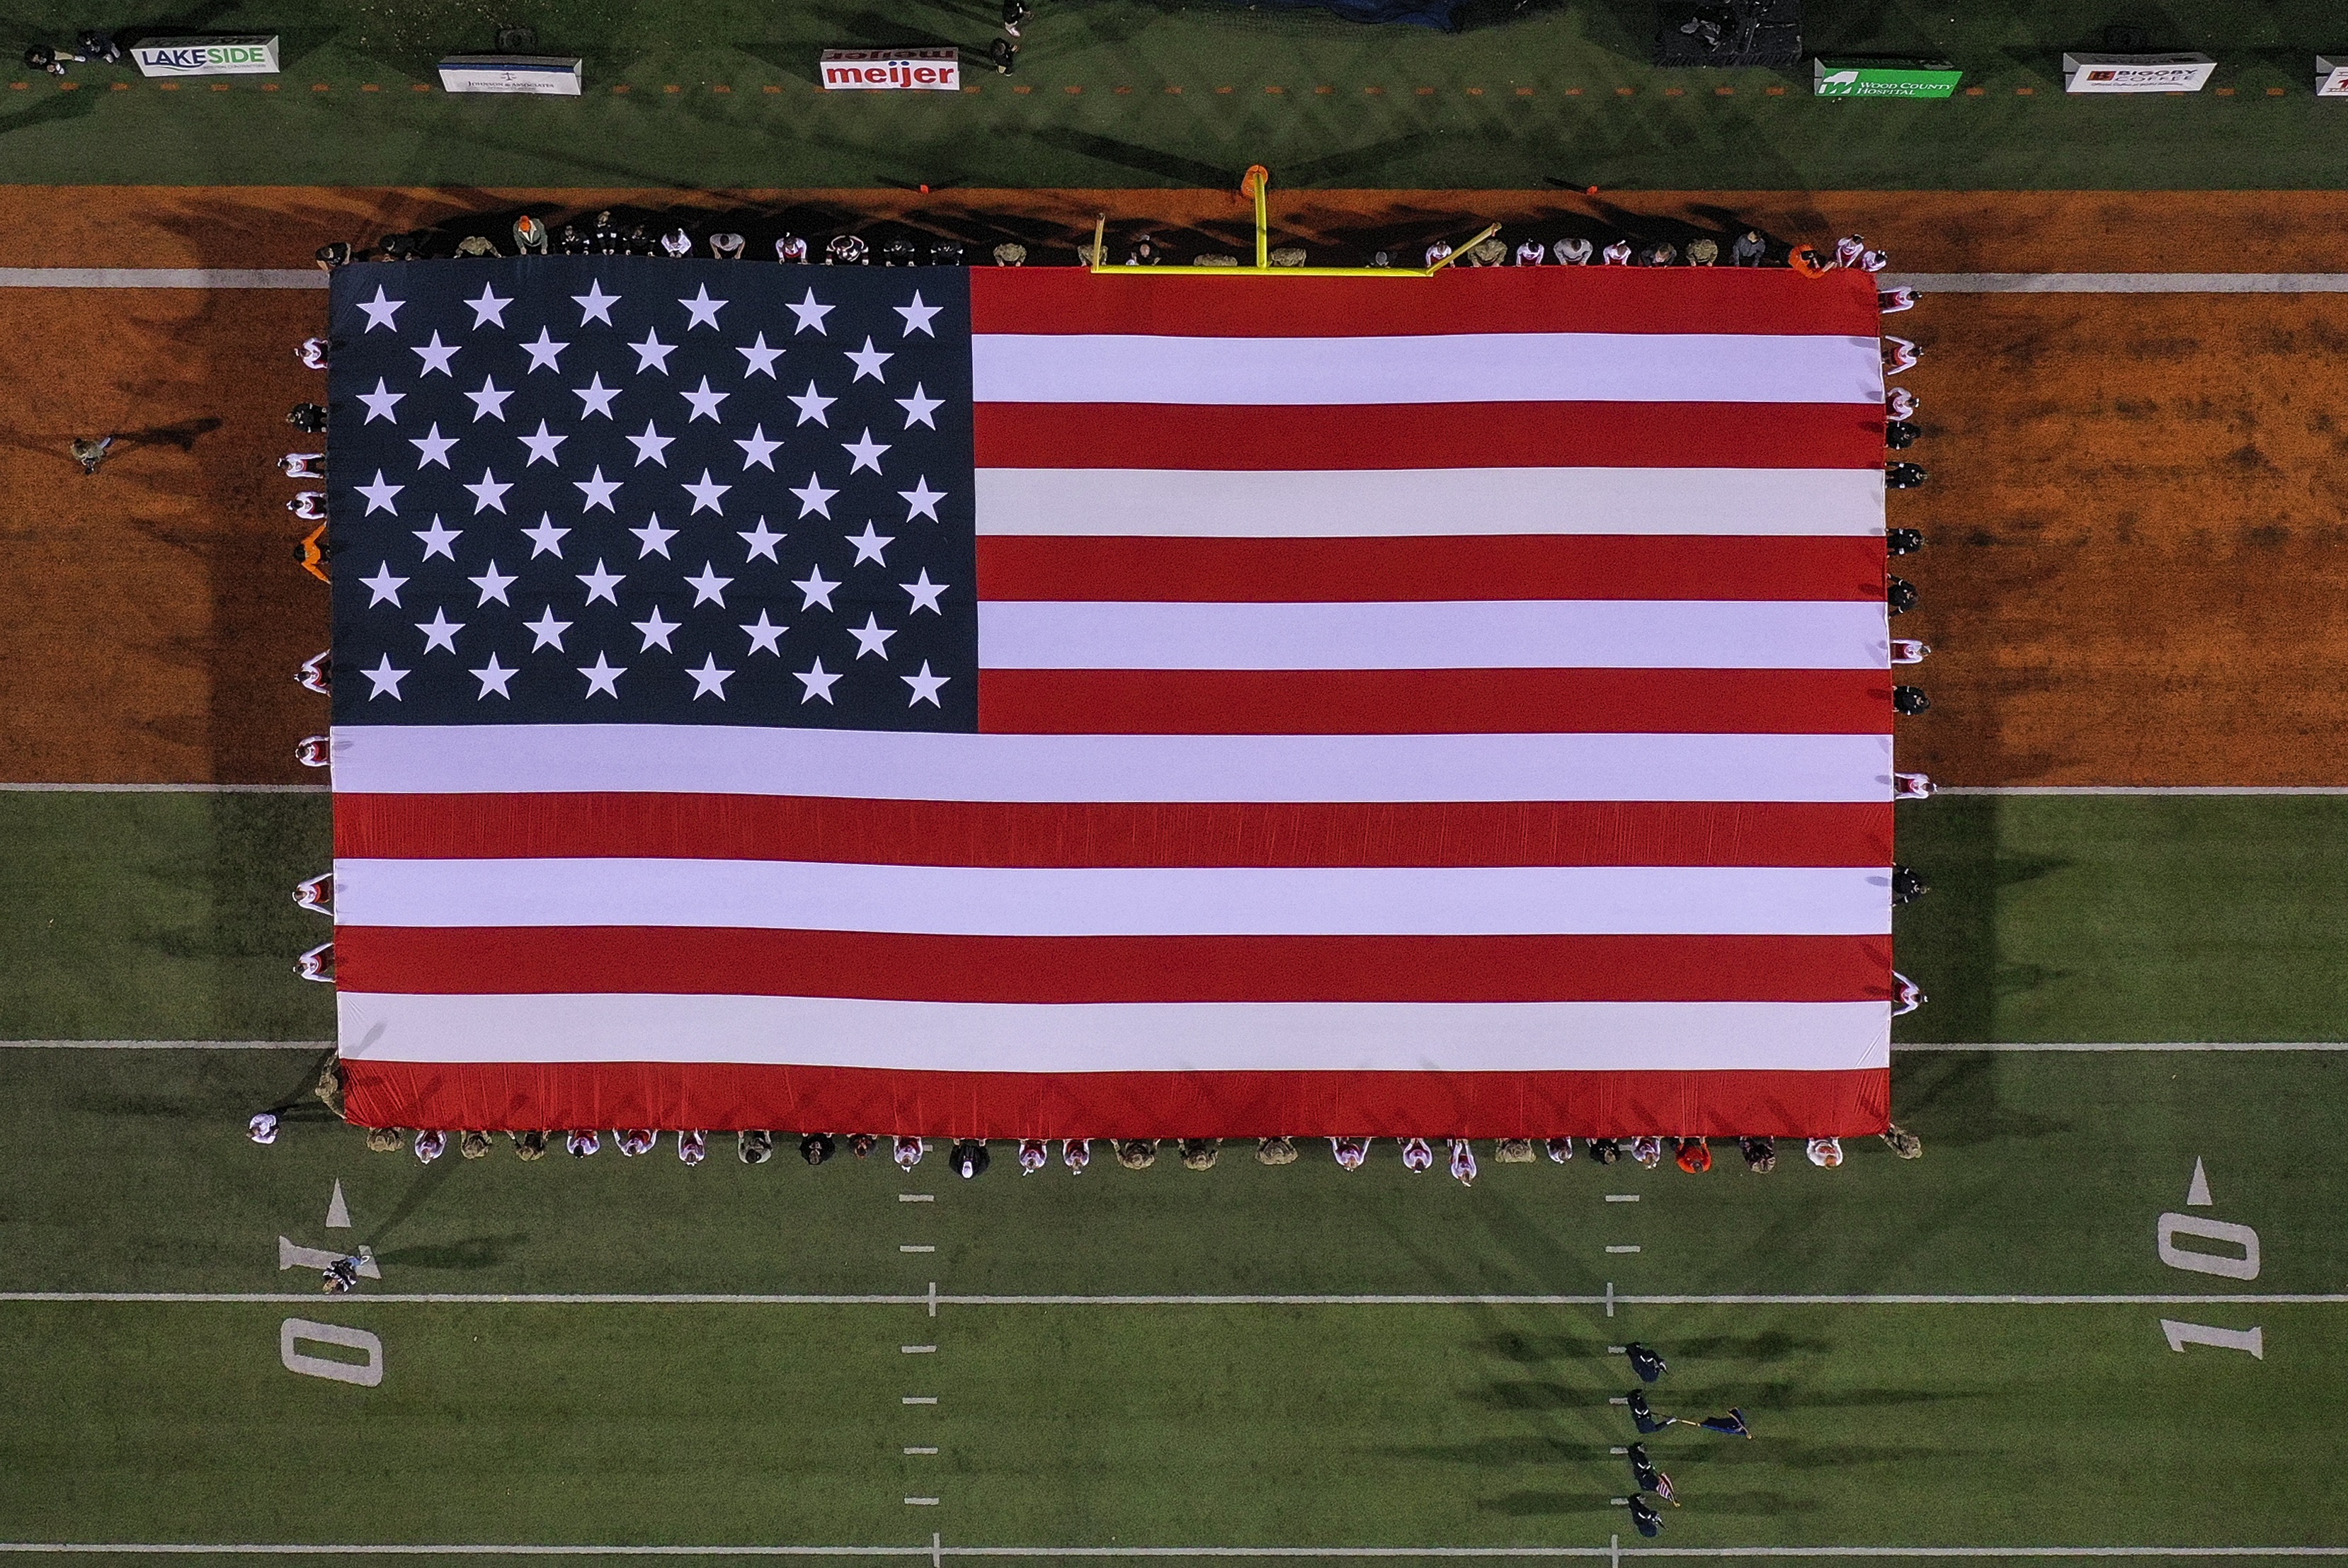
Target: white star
x,y
598,490
493,584
543,444
758,451
595,397
766,637
917,315
490,311
704,309
438,540
651,540
656,631
925,686
921,501
381,401
763,543
545,354
866,451
546,539
710,587
868,361
925,593
436,354
380,311
918,409
817,681
705,402
548,630
759,359
595,305
432,447
870,545
652,353
488,495
811,314
813,497
379,494
602,676
814,590
440,631
705,494
493,677
489,403
870,639
387,679
709,680
652,447
601,583
811,405
384,586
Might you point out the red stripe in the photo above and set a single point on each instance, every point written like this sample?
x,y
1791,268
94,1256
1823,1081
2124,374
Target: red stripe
x,y
843,1099
1435,702
667,961
1429,435
1757,300
988,833
1394,570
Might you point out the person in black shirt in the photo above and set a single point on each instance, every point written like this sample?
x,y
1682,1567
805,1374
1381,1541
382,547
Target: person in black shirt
x,y
1643,1414
1903,541
1645,1362
1900,595
1909,701
1906,885
969,1159
1644,1516
309,418
816,1148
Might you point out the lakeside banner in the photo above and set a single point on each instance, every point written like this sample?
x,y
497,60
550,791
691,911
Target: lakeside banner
x,y
209,55
2136,73
898,71
1884,78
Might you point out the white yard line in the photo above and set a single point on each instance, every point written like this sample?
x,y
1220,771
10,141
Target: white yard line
x,y
450,1299
163,788
935,1550
2147,1045
2122,282
2140,789
166,1045
162,278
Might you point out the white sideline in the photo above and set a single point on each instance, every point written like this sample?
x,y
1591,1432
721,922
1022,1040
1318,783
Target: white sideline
x,y
161,278
1922,1046
166,1045
2121,282
2139,789
2174,1045
936,1551
165,789
615,1298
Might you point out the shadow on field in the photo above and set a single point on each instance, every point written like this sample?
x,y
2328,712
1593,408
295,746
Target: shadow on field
x,y
473,1252
1532,1504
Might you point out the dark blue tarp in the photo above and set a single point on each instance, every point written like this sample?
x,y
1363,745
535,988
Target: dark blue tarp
x,y
1442,13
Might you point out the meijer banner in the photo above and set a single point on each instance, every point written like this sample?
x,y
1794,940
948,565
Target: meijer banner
x,y
2331,79
897,71
208,54
1884,78
2136,73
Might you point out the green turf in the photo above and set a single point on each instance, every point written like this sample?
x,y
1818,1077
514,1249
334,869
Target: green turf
x,y
1176,1425
1469,129
2106,918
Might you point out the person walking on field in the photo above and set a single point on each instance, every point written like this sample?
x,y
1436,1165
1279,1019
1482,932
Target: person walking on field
x,y
90,453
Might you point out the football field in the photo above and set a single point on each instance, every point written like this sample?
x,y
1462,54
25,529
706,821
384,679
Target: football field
x,y
1968,1350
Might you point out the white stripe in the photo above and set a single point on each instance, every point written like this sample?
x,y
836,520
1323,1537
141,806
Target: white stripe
x,y
1119,901
1458,367
1119,1037
161,278
2121,282
883,765
1388,503
1474,634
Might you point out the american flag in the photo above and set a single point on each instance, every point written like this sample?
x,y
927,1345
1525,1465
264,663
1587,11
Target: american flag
x,y
1025,703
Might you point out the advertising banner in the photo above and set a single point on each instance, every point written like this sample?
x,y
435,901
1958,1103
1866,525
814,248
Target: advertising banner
x,y
892,71
2136,73
1884,78
554,74
2331,79
209,55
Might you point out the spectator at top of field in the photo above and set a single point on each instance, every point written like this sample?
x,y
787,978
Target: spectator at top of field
x,y
1702,253
1617,254
726,246
1749,250
1575,253
529,236
677,244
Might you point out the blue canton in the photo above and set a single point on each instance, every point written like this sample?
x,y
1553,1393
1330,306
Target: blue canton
x,y
598,489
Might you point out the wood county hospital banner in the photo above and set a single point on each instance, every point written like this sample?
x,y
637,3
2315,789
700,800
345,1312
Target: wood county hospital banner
x,y
1019,701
